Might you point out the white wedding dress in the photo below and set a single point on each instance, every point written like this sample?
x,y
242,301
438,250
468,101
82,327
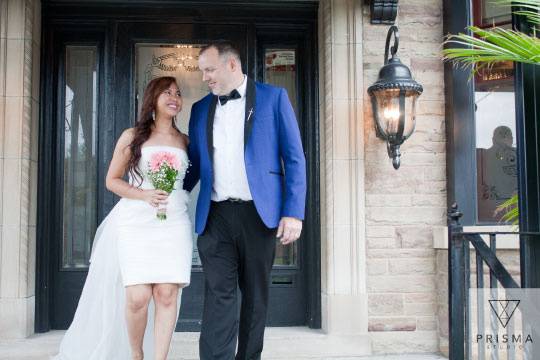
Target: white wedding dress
x,y
131,246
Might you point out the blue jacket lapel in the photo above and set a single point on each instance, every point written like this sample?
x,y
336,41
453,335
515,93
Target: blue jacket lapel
x,y
210,127
250,110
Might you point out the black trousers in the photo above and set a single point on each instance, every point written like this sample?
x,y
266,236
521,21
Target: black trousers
x,y
237,251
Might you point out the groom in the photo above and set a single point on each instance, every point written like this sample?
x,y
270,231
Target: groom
x,y
245,148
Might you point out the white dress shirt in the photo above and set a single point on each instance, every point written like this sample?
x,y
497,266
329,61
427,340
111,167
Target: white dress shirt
x,y
230,177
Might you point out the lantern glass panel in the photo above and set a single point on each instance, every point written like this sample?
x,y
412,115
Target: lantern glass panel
x,y
388,111
410,113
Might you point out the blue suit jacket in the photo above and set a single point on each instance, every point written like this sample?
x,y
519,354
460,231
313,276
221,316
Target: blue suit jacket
x,y
271,135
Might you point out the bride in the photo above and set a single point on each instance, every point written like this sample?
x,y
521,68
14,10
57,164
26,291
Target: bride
x,y
139,263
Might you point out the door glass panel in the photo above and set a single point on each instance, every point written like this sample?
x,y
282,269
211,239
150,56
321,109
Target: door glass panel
x,y
280,70
179,61
80,162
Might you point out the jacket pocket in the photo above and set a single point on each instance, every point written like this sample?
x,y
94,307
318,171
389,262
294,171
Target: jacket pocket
x,y
280,173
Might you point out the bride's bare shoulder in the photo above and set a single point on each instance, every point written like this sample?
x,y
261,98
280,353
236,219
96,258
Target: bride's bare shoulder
x,y
125,140
129,133
127,136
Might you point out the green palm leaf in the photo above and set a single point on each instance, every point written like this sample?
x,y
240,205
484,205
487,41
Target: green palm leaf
x,y
491,46
531,8
532,17
484,47
510,210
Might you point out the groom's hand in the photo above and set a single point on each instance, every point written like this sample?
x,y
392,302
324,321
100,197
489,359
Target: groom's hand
x,y
289,230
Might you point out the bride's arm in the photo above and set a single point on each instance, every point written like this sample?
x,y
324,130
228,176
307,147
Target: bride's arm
x,y
114,181
118,166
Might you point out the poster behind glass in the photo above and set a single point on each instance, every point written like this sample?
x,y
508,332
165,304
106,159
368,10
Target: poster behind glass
x,y
179,61
490,13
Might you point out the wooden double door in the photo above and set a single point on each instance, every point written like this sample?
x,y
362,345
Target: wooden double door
x,y
93,77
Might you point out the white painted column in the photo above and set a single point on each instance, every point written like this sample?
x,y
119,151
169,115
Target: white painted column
x,y
20,32
344,298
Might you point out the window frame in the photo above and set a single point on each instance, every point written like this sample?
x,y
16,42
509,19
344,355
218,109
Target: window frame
x,y
461,165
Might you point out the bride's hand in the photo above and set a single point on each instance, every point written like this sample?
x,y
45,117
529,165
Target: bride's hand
x,y
155,197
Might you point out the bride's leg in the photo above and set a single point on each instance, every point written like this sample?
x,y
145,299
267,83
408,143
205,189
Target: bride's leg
x,y
165,296
137,299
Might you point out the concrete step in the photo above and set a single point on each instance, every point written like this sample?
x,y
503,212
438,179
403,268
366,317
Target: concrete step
x,y
289,343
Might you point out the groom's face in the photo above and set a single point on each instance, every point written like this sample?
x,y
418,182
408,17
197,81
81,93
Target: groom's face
x,y
217,71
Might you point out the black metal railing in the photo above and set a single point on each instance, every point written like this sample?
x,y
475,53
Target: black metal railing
x,y
459,280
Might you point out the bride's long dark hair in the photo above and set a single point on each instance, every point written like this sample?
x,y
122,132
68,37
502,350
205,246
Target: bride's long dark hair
x,y
145,122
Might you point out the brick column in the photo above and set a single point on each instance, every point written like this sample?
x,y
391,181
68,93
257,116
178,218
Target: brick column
x,y
20,31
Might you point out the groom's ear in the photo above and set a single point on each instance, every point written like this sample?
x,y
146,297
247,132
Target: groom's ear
x,y
234,63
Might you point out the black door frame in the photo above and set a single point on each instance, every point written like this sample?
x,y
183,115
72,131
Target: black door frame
x,y
105,17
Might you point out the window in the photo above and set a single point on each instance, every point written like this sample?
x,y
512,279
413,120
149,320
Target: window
x,y
481,122
80,155
280,70
495,125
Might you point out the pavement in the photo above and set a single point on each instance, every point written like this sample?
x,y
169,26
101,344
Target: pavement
x,y
280,344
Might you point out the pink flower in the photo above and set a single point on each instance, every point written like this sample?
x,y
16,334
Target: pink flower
x,y
161,158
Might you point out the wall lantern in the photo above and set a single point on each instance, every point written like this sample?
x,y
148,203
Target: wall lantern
x,y
393,97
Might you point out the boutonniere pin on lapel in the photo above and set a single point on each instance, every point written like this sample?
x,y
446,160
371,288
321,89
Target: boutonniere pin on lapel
x,y
249,114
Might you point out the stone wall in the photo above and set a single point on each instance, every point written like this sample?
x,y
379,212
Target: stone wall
x,y
20,33
404,206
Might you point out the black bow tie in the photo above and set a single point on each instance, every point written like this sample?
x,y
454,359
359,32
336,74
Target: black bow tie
x,y
232,96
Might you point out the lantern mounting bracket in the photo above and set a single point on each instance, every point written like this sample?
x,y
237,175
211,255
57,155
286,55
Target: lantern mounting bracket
x,y
393,50
383,11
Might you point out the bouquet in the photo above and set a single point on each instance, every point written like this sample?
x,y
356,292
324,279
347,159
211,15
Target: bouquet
x,y
163,172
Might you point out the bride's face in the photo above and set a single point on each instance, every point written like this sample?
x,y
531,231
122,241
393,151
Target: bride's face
x,y
169,102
